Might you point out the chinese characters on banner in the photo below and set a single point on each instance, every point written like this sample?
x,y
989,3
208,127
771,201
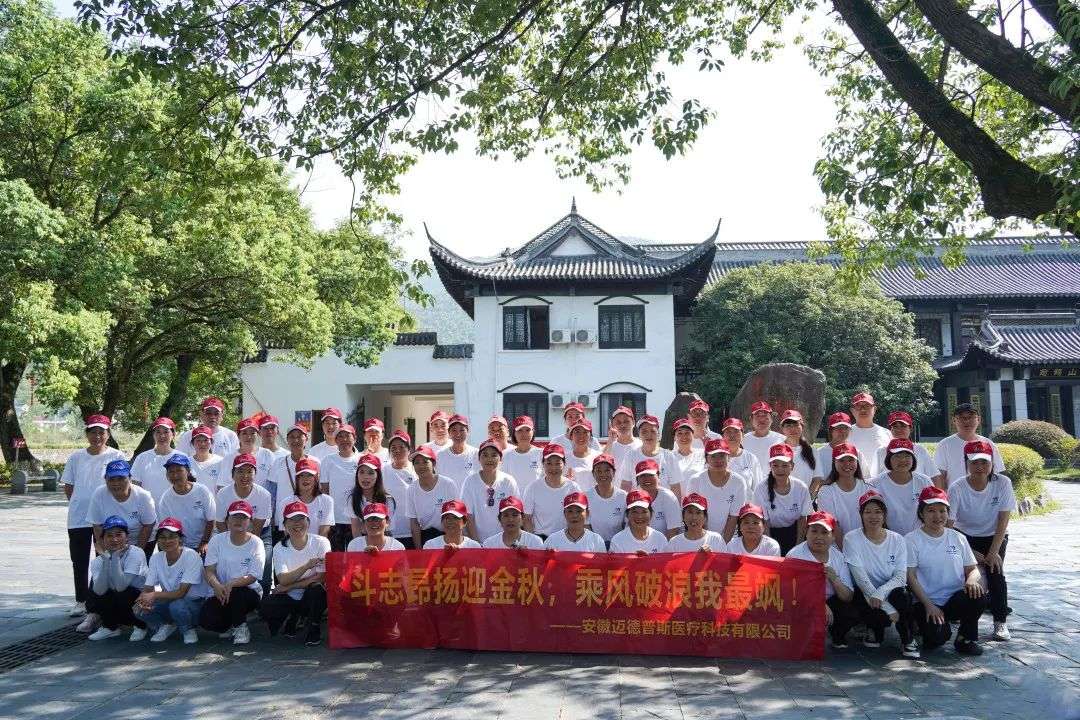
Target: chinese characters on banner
x,y
708,604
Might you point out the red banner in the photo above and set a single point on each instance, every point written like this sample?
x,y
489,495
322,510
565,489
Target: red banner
x,y
709,604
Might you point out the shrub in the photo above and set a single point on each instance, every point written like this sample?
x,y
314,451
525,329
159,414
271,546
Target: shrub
x,y
5,473
1045,438
1021,464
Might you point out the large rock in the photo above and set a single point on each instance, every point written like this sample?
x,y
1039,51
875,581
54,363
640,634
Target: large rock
x,y
784,386
679,407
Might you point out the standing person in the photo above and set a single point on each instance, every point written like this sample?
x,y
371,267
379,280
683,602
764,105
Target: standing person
x,y
761,436
299,575
268,453
234,563
840,493
785,498
607,515
576,536
306,488
499,431
247,433
982,502
458,461
512,521
84,473
648,428
522,461
440,431
838,432
621,441
724,491
148,467
331,421
190,502
949,456
866,435
573,413
223,440
374,538
367,489
741,461
543,499
665,505
698,415
175,588
337,475
750,537
206,466
426,496
243,487
398,475
900,424
120,497
877,557
118,573
580,456
374,429
840,613
282,475
901,485
484,491
695,537
691,459
944,577
455,517
802,452
639,536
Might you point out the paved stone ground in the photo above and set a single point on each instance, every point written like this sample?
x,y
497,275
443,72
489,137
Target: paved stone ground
x,y
1037,675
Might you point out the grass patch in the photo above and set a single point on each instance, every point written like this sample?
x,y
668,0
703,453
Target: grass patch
x,y
1066,474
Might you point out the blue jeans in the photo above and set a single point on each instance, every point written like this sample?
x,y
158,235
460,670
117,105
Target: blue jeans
x,y
183,613
268,566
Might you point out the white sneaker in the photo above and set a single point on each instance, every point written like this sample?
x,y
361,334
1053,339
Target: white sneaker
x,y
89,624
137,634
104,633
77,609
241,635
191,636
163,633
227,634
1001,632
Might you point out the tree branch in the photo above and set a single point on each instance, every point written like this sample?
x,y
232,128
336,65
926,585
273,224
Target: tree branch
x,y
1053,12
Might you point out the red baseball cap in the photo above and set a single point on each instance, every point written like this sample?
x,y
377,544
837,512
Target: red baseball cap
x,y
202,431
717,445
695,500
648,420
681,423
871,495
244,459
378,510
582,423
553,450
897,445
978,450
511,503
733,422
401,435
246,424
573,406
301,428
296,508
166,422
648,466
307,465
604,458
498,419
455,507
439,415
822,518
791,415
241,507
899,416
760,406
333,412
638,498
172,525
98,421
268,420
424,451
369,460
933,495
839,418
346,428
456,419
781,451
489,443
698,405
524,421
751,509
576,499
374,424
845,450
213,402
862,397
623,410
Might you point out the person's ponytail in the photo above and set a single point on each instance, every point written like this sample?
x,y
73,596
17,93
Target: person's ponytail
x,y
808,453
770,481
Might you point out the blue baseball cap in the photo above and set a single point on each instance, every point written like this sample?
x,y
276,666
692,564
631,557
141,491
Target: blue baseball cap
x,y
178,459
114,521
118,468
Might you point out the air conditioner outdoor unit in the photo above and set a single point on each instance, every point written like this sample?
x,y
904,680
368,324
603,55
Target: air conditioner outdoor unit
x,y
559,337
589,400
561,400
586,337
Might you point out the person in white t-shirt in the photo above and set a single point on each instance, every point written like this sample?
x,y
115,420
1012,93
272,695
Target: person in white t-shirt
x,y
175,587
247,433
426,496
698,416
867,436
243,487
944,577
648,427
439,430
512,521
837,432
576,536
148,467
120,497
750,537
982,503
84,472
367,488
331,421
118,575
397,476
639,536
543,499
666,514
455,517
374,538
579,458
840,613
458,461
901,485
299,577
189,501
621,440
223,440
206,466
844,485
573,413
522,460
498,431
724,490
691,459
306,488
337,475
785,498
900,424
374,430
741,461
695,537
877,558
484,491
949,454
802,452
234,563
761,436
268,454
281,477
607,503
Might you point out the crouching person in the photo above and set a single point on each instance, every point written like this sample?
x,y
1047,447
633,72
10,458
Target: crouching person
x,y
299,571
118,576
234,562
175,589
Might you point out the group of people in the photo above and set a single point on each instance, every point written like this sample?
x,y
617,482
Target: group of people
x,y
205,528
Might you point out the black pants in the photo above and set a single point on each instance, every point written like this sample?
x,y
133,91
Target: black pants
x,y
428,534
80,540
114,607
845,616
218,618
999,589
277,608
960,608
788,537
340,536
407,542
877,620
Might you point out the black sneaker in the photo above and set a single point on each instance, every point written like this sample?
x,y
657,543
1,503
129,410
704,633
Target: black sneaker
x,y
840,644
314,636
967,647
911,649
289,628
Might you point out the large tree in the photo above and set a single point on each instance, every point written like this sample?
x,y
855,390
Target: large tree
x,y
953,116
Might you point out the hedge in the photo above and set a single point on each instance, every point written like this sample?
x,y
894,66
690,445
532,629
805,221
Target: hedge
x,y
1047,439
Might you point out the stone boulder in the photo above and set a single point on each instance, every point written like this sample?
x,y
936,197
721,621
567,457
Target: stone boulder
x,y
784,386
679,407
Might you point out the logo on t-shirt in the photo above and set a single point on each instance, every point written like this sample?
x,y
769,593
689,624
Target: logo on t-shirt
x,y
198,505
952,549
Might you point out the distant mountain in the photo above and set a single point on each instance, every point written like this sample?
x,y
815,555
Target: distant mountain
x,y
444,316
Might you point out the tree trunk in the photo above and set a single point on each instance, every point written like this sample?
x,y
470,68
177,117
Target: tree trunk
x,y
173,400
10,377
1054,12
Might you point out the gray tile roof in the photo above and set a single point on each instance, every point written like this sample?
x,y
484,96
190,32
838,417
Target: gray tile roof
x,y
417,338
1034,338
461,351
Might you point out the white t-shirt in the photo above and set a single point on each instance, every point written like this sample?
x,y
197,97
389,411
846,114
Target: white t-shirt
x,y
286,557
323,449
975,512
396,484
669,468
437,447
759,447
902,501
836,562
193,509
825,463
359,544
680,543
746,464
881,562
568,444
589,542
923,462
188,569
801,468
625,542
844,505
690,465
320,510
474,494
457,467
868,441
264,460
581,469
148,470
527,540
283,473
544,503
939,562
766,548
438,543
223,442
699,444
426,505
208,471
85,473
607,516
258,498
138,510
784,510
132,563
340,475
949,458
235,561
724,501
666,511
524,467
225,475
619,451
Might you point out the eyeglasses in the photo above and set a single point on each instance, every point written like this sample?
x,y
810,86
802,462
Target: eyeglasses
x,y
491,497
